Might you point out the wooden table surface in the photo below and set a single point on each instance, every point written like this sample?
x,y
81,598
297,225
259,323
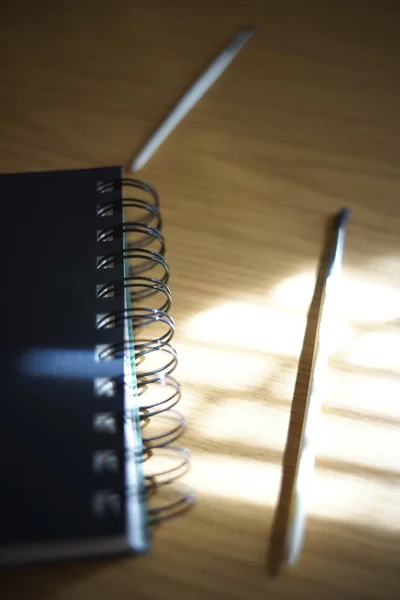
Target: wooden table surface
x,y
305,121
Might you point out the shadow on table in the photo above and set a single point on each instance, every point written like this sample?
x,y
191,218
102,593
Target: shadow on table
x,y
216,552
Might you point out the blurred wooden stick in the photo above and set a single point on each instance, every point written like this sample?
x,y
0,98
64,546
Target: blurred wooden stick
x,y
303,479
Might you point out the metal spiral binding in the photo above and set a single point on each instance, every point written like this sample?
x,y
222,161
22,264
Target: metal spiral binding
x,y
158,391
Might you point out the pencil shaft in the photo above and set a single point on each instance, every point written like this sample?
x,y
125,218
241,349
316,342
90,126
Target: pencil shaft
x,y
192,95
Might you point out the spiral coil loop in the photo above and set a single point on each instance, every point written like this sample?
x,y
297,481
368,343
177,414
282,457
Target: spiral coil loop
x,y
158,392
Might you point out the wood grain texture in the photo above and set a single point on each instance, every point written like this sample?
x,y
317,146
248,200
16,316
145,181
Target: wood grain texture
x,y
306,120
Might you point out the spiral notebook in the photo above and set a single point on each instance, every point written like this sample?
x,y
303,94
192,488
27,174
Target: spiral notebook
x,y
87,428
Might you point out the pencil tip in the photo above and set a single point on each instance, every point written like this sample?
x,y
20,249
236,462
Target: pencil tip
x,y
137,164
248,31
342,217
242,37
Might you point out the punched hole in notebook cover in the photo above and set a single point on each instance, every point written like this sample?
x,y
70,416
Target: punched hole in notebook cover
x,y
105,422
107,352
105,262
105,461
104,386
105,235
105,210
106,503
106,321
105,290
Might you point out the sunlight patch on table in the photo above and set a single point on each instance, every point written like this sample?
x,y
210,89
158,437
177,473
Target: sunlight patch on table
x,y
295,293
358,444
254,424
372,396
355,443
358,300
379,350
256,327
338,496
223,368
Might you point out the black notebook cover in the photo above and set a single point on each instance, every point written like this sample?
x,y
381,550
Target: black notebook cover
x,y
50,502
